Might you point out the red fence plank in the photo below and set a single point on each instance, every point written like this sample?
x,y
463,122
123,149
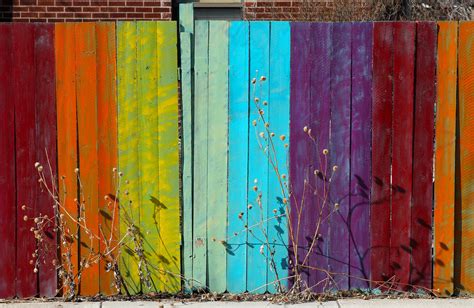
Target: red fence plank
x,y
402,143
23,74
381,146
46,150
7,167
421,211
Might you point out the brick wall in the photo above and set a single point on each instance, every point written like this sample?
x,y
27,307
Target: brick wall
x,y
83,10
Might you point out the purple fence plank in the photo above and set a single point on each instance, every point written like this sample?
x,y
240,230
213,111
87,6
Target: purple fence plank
x,y
339,154
321,33
300,158
359,214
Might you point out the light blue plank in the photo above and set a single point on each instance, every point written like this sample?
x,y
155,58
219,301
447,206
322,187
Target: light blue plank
x,y
258,162
239,85
279,119
201,70
217,154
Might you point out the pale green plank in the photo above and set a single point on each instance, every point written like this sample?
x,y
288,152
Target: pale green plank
x,y
170,245
128,133
217,154
186,17
148,151
200,154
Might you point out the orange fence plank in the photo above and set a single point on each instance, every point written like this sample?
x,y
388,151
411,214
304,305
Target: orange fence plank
x,y
88,160
443,267
107,148
466,152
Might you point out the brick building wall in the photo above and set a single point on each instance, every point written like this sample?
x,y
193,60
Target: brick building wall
x,y
84,10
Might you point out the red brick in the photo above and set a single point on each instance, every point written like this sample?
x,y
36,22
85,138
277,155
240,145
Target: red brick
x,y
37,9
135,15
135,3
117,3
153,15
100,15
144,9
161,9
83,15
90,9
38,20
126,9
27,2
29,15
45,2
73,9
82,2
118,15
55,9
65,15
55,20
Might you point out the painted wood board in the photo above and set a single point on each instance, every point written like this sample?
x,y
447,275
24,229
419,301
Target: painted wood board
x,y
445,144
7,159
423,154
23,42
239,86
279,119
381,152
170,243
150,206
360,174
318,217
46,154
186,17
87,133
339,155
300,149
128,137
107,151
217,154
201,95
258,163
466,153
402,149
67,134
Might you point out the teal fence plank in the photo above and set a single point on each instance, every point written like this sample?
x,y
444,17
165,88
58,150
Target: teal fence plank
x,y
217,154
238,156
279,119
201,71
258,166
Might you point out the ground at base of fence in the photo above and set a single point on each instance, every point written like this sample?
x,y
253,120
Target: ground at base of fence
x,y
344,303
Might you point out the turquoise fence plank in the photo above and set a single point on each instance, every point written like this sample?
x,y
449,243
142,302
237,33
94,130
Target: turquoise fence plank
x,y
279,119
217,154
238,156
201,71
258,162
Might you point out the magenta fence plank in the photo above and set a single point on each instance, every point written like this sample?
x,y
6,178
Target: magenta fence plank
x,y
46,150
339,154
300,155
7,165
421,210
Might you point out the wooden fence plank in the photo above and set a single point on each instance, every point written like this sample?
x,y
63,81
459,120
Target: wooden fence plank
x,y
239,85
422,204
301,170
7,165
258,162
466,152
318,220
279,119
46,151
148,150
23,74
402,153
201,71
128,136
217,154
361,126
170,244
67,132
107,149
381,152
87,128
339,155
444,190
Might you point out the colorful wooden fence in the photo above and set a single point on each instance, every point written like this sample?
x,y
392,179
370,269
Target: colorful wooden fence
x,y
92,96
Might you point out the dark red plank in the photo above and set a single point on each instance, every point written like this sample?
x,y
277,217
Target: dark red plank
x,y
301,148
319,209
23,76
381,146
7,167
425,98
402,153
339,153
360,173
46,150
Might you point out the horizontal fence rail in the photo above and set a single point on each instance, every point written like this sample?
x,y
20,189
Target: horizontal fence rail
x,y
319,156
